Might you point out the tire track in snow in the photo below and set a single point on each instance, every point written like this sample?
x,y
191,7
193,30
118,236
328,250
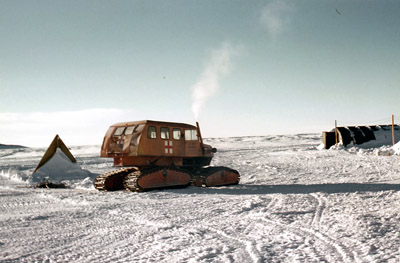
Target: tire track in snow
x,y
17,202
69,242
74,234
250,245
344,253
316,222
356,251
72,247
319,209
218,234
340,253
271,203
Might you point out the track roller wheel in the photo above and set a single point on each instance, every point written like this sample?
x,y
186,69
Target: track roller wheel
x,y
156,178
216,176
112,181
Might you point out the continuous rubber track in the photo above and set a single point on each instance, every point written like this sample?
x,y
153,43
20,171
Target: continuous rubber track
x,y
156,178
113,181
216,176
136,180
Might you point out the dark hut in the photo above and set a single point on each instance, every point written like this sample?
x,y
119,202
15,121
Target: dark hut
x,y
360,134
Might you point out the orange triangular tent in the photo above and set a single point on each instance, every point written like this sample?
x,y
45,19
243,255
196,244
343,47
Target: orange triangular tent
x,y
56,143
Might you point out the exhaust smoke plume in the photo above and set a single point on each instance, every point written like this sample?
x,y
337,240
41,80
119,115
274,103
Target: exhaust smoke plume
x,y
276,16
218,66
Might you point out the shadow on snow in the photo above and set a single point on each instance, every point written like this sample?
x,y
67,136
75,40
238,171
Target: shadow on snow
x,y
249,189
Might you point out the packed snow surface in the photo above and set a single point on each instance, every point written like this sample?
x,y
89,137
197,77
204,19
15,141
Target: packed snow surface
x,y
294,203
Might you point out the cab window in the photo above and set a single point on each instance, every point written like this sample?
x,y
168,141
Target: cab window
x,y
119,131
139,128
191,135
152,132
164,133
130,130
194,135
176,134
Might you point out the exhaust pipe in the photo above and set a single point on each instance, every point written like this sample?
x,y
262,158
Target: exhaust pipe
x,y
201,138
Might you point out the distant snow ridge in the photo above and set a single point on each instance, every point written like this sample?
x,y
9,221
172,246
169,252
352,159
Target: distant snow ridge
x,y
59,167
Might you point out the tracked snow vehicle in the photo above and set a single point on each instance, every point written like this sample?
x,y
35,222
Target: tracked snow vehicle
x,y
155,154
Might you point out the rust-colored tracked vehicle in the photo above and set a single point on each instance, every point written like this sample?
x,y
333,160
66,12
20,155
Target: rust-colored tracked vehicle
x,y
157,155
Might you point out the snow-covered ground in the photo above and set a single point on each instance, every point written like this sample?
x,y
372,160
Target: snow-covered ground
x,y
294,203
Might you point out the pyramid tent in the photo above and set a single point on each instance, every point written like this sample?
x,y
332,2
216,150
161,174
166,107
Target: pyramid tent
x,y
57,143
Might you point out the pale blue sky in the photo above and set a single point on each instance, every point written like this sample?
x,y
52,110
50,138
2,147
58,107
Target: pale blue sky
x,y
275,67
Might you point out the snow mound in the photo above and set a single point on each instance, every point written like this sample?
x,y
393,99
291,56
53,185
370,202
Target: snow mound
x,y
396,148
59,167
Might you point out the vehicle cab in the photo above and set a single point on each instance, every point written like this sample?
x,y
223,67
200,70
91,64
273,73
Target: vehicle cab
x,y
145,143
